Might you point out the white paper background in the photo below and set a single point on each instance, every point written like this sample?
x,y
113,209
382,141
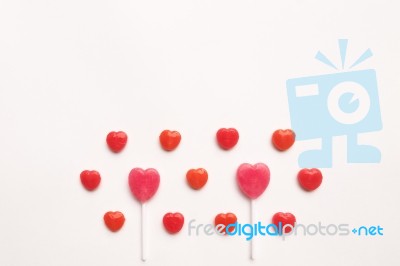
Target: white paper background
x,y
71,71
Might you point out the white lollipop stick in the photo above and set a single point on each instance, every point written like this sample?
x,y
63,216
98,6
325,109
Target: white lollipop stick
x,y
143,232
251,222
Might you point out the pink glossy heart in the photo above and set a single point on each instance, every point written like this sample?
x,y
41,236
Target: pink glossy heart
x,y
144,183
253,179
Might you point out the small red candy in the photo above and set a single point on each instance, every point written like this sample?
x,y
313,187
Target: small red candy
x,y
283,139
197,178
116,141
309,179
227,138
114,220
284,219
225,219
169,140
90,179
173,222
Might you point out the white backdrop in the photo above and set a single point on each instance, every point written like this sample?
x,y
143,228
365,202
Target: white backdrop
x,y
71,71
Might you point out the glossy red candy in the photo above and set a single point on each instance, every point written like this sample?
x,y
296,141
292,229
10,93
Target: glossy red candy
x,y
197,178
225,219
309,179
173,222
283,139
114,220
169,140
227,138
116,141
90,179
281,219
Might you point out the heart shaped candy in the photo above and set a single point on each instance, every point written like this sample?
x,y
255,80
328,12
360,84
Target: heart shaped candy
x,y
197,178
144,183
169,140
225,220
281,219
283,139
309,179
90,179
173,222
116,141
114,220
227,138
253,179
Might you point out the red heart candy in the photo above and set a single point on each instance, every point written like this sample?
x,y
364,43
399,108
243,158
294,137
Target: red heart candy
x,y
114,220
116,141
169,140
173,222
144,183
280,219
253,179
225,220
227,138
197,178
283,139
309,179
90,179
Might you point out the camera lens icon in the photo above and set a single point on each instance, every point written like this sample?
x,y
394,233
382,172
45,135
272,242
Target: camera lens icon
x,y
348,103
338,104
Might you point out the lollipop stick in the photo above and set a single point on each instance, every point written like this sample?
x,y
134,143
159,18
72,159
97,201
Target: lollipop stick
x,y
143,231
252,220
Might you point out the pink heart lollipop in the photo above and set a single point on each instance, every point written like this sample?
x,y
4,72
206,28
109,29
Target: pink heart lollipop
x,y
252,181
143,184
